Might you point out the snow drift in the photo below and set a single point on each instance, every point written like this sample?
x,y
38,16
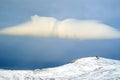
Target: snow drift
x,y
89,68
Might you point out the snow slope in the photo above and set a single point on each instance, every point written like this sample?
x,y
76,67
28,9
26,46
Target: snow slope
x,y
81,69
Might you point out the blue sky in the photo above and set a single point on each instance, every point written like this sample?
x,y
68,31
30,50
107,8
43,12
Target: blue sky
x,y
25,52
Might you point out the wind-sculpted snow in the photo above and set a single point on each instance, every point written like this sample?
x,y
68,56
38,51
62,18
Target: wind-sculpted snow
x,y
89,68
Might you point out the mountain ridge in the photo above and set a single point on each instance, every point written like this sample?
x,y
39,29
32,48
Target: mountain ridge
x,y
89,68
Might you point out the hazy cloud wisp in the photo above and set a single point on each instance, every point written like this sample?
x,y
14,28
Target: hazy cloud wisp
x,y
69,28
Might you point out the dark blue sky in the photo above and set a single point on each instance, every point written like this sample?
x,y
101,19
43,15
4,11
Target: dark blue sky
x,y
23,52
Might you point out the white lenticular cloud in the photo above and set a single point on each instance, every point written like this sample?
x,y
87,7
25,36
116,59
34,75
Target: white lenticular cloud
x,y
69,28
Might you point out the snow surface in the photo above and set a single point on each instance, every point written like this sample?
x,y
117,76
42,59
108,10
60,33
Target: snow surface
x,y
89,68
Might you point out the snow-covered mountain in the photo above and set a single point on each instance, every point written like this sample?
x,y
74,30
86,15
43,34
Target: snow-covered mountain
x,y
89,68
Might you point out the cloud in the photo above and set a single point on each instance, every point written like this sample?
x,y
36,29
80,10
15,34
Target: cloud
x,y
69,28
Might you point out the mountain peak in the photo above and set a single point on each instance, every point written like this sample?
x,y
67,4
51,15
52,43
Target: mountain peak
x,y
95,61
